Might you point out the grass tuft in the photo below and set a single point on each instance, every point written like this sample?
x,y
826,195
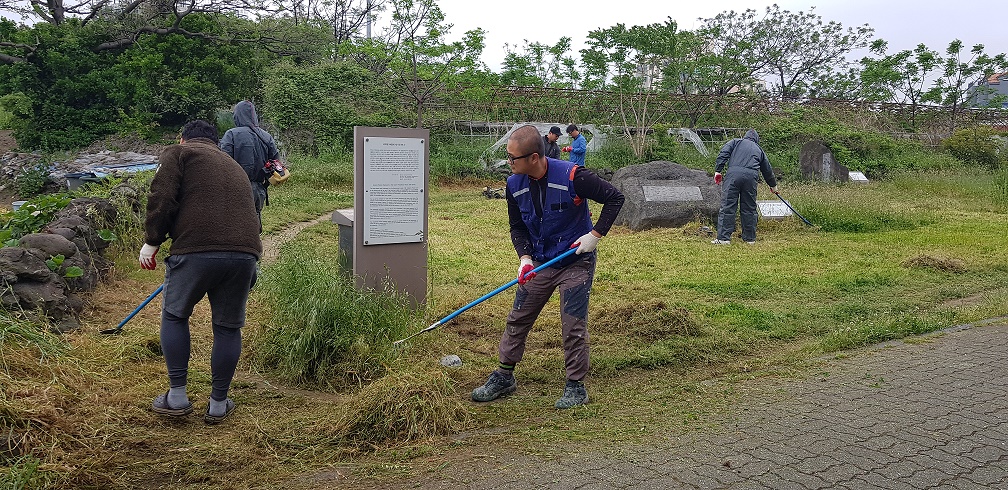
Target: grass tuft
x,y
323,331
944,264
407,406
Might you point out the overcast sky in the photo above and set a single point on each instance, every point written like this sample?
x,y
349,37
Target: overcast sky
x,y
903,23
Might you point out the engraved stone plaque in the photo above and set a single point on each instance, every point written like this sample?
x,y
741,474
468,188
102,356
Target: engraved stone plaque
x,y
773,209
856,176
671,193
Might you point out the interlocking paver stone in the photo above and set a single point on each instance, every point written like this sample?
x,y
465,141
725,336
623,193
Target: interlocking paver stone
x,y
903,415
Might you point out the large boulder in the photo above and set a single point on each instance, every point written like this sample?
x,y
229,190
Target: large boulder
x,y
665,194
817,163
48,244
19,265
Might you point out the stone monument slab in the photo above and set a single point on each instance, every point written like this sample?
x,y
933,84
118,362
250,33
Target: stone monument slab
x,y
665,194
818,163
773,209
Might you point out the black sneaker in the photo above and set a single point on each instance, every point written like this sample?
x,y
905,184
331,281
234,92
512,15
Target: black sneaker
x,y
496,386
574,394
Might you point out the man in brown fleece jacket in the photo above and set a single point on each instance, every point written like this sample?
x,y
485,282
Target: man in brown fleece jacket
x,y
200,198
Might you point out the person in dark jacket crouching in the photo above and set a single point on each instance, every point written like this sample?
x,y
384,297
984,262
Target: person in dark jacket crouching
x,y
200,198
548,215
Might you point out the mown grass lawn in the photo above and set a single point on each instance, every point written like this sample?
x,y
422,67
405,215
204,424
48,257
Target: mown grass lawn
x,y
674,321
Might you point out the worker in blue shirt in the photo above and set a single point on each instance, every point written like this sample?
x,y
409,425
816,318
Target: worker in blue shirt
x,y
578,146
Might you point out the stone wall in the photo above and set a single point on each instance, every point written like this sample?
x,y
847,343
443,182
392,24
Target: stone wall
x,y
30,285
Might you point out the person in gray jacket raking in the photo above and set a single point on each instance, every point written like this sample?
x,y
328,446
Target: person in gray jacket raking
x,y
745,161
251,146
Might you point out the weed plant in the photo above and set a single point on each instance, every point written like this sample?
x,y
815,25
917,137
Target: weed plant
x,y
999,194
322,331
129,197
453,161
835,208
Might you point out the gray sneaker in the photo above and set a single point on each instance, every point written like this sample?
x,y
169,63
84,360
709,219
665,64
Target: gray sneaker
x,y
496,386
574,394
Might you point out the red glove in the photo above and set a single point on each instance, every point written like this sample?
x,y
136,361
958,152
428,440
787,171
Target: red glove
x,y
525,273
718,178
567,149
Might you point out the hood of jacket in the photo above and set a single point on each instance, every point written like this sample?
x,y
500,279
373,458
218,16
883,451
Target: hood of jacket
x,y
245,115
749,135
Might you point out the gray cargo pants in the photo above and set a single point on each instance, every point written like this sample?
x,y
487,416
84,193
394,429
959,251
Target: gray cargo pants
x,y
574,283
738,191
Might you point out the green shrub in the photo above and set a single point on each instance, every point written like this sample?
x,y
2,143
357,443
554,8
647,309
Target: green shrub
x,y
976,146
317,107
871,152
32,180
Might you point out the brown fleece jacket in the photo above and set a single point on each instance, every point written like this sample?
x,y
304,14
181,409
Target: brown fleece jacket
x,y
202,199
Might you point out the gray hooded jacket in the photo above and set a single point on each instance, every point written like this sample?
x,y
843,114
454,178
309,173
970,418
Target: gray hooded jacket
x,y
248,144
745,153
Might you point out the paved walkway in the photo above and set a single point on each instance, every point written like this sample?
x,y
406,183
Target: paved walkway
x,y
928,414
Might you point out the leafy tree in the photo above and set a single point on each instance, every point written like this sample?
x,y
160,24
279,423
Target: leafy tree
x,y
961,72
729,57
630,62
125,22
798,48
424,61
540,65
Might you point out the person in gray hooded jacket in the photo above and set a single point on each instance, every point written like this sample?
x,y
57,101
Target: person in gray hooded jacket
x,y
251,146
745,161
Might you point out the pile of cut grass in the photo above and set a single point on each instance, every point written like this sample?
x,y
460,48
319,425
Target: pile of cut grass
x,y
406,406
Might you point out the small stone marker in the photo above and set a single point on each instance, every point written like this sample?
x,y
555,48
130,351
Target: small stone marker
x,y
773,209
668,193
451,360
856,176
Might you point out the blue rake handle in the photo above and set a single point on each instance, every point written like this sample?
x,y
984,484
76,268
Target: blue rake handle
x,y
487,296
135,311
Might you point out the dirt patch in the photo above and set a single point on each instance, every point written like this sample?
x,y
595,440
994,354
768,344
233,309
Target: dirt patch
x,y
7,142
965,302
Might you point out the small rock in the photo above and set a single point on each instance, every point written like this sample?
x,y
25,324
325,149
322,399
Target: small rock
x,y
451,360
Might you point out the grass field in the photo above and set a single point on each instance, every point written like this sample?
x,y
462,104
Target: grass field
x,y
674,322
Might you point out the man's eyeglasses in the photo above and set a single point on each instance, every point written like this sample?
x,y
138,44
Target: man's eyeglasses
x,y
512,159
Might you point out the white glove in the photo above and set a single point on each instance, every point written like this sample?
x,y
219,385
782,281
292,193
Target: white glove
x,y
147,260
525,273
588,242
